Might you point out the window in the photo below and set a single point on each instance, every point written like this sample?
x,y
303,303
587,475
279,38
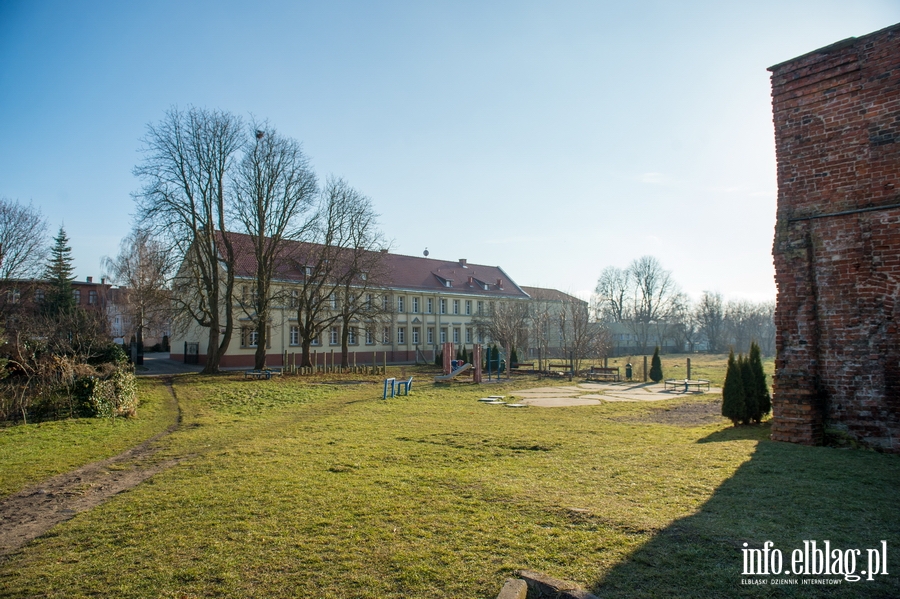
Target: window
x,y
363,276
468,307
351,336
481,308
315,341
307,271
480,337
334,301
415,335
77,295
443,334
249,337
39,295
92,297
430,336
334,336
369,299
415,305
456,306
429,306
401,335
12,296
400,303
386,335
295,335
386,303
456,335
295,299
443,306
468,335
370,337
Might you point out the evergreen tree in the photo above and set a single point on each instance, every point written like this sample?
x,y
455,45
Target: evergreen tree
x,y
763,400
59,274
514,358
733,405
439,359
751,396
656,373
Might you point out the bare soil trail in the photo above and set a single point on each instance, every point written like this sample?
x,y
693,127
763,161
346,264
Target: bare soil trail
x,y
32,512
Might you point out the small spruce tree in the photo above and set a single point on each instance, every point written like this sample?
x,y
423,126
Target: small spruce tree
x,y
656,373
439,359
59,298
751,396
763,399
514,359
733,405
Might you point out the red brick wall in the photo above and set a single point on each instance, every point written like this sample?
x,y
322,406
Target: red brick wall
x,y
837,242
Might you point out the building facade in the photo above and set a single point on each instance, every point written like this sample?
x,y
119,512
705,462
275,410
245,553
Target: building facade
x,y
425,302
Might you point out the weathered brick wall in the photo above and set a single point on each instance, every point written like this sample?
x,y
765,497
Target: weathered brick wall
x,y
837,242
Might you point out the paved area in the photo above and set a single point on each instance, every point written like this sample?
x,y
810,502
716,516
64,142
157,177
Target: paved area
x,y
583,394
156,364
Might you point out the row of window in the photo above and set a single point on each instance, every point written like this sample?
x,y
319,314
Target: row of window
x,y
13,296
416,305
250,337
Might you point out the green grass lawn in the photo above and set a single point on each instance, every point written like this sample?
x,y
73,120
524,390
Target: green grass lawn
x,y
33,452
294,489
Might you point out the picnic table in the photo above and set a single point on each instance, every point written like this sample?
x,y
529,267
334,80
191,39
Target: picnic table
x,y
686,384
258,374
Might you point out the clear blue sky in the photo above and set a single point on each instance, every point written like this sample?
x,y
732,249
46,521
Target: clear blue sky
x,y
552,139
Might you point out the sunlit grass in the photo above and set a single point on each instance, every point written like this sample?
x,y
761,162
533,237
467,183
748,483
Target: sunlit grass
x,y
294,489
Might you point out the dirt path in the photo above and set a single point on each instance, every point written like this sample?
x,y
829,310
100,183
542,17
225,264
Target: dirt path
x,y
30,513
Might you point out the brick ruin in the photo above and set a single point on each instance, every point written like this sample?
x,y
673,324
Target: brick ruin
x,y
837,242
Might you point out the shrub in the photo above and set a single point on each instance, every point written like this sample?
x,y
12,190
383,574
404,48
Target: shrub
x,y
656,373
733,405
115,395
439,359
750,393
763,399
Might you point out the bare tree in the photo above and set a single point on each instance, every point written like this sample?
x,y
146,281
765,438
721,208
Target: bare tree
x,y
327,265
142,268
653,294
542,319
506,324
710,313
274,190
746,321
363,270
613,294
684,326
187,157
581,338
23,240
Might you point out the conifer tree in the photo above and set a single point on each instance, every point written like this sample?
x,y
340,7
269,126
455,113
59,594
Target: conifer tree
x,y
59,274
733,405
656,373
763,399
751,396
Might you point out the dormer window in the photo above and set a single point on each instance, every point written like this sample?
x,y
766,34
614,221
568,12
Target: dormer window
x,y
447,283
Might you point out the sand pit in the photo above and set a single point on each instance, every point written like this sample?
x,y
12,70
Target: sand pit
x,y
586,394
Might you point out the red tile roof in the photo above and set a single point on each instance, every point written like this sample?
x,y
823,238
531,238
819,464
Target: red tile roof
x,y
410,273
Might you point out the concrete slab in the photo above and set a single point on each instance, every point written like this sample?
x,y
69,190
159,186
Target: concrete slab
x,y
593,393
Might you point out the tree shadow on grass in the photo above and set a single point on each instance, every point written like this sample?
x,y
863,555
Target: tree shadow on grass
x,y
750,432
785,494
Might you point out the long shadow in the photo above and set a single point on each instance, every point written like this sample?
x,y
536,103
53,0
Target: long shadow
x,y
786,494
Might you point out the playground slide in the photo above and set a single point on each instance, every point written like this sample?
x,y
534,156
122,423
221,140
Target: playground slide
x,y
453,374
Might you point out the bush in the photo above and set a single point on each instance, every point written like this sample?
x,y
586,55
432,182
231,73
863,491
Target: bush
x,y
107,397
656,373
734,406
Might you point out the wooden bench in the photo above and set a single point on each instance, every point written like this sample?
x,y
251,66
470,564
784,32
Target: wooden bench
x,y
600,373
685,385
523,366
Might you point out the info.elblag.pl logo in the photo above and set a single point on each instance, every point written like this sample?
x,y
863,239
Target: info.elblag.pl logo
x,y
814,560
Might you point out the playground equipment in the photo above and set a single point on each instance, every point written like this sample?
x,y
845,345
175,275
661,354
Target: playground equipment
x,y
454,374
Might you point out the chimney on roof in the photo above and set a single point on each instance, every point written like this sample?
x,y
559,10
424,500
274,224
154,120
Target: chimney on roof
x,y
500,283
90,279
462,262
103,280
384,250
